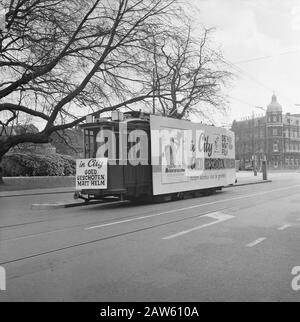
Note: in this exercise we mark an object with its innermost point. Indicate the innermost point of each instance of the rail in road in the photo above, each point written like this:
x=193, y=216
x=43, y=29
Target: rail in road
x=203, y=208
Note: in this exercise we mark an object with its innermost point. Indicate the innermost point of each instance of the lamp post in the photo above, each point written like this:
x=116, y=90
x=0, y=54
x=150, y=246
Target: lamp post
x=154, y=89
x=253, y=142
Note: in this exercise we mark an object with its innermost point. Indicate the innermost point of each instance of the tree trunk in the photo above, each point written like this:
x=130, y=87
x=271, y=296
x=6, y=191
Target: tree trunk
x=3, y=150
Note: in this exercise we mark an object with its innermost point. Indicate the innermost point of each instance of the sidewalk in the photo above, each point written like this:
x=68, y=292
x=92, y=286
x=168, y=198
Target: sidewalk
x=22, y=186
x=35, y=192
x=248, y=178
x=14, y=190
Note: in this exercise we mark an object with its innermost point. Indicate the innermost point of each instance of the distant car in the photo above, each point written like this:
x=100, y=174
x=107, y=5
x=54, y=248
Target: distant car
x=249, y=167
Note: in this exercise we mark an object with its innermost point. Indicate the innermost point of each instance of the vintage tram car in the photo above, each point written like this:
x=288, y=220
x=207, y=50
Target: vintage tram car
x=139, y=163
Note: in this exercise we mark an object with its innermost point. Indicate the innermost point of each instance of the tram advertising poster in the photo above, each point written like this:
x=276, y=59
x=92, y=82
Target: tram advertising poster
x=190, y=156
x=91, y=173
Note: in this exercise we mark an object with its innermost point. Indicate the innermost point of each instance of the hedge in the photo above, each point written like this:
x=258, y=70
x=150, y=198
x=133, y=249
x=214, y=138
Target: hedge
x=27, y=165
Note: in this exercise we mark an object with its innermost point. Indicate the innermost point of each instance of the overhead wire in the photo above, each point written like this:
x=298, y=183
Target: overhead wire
x=248, y=75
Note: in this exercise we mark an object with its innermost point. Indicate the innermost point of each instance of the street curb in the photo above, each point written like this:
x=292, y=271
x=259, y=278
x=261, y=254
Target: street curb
x=247, y=183
x=75, y=204
x=48, y=206
x=23, y=193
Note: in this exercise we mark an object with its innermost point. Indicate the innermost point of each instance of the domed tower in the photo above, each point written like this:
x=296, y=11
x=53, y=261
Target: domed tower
x=274, y=135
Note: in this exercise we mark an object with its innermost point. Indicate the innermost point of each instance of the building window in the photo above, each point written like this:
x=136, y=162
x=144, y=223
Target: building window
x=275, y=132
x=287, y=161
x=275, y=147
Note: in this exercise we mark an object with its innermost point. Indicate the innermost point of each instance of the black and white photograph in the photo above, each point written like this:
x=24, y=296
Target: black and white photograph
x=149, y=153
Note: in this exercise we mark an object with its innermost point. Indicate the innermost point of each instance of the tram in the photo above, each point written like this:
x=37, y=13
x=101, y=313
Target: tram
x=138, y=156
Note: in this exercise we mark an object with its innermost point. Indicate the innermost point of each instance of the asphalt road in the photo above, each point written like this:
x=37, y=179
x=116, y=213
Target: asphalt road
x=240, y=244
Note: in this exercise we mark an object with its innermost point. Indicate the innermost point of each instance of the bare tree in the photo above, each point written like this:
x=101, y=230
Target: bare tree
x=63, y=59
x=190, y=72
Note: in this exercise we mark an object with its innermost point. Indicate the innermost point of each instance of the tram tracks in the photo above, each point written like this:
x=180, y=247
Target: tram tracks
x=83, y=227
x=103, y=206
x=53, y=217
x=55, y=214
x=113, y=236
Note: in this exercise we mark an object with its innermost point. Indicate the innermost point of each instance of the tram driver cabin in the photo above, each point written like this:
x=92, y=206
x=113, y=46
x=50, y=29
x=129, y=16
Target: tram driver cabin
x=142, y=156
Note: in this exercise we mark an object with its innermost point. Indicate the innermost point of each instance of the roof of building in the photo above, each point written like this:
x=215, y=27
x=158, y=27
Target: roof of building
x=290, y=119
x=274, y=106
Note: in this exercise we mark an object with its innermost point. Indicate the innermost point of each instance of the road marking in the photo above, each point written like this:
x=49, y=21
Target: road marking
x=35, y=235
x=284, y=227
x=221, y=217
x=256, y=242
x=188, y=208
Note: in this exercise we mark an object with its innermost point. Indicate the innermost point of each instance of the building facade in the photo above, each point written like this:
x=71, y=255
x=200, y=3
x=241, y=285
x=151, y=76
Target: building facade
x=274, y=137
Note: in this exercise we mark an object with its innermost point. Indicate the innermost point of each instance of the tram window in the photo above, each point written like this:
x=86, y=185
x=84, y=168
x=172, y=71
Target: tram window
x=106, y=144
x=89, y=141
x=91, y=146
x=86, y=143
x=117, y=145
x=100, y=152
x=138, y=147
x=130, y=145
x=138, y=153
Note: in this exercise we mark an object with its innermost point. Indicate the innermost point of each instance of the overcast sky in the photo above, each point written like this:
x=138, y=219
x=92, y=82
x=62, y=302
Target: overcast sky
x=261, y=38
x=247, y=31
